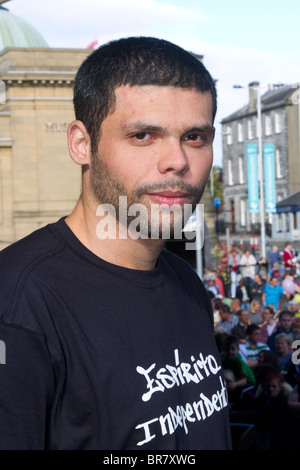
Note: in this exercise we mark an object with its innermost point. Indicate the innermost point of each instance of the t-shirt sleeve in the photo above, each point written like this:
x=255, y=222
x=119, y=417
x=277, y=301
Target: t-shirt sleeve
x=26, y=386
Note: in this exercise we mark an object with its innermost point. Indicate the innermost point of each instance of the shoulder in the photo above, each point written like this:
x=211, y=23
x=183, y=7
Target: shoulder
x=20, y=259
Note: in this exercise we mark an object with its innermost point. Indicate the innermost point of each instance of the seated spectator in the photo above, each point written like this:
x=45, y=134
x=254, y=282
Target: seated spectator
x=228, y=320
x=241, y=375
x=251, y=349
x=283, y=345
x=293, y=372
x=272, y=293
x=275, y=271
x=240, y=330
x=243, y=293
x=284, y=325
x=235, y=305
x=255, y=313
x=257, y=288
x=263, y=268
x=296, y=329
x=272, y=429
x=269, y=325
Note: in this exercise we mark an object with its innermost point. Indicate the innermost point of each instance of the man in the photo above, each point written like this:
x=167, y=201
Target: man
x=250, y=350
x=272, y=293
x=257, y=288
x=285, y=325
x=228, y=320
x=109, y=338
x=240, y=330
x=235, y=305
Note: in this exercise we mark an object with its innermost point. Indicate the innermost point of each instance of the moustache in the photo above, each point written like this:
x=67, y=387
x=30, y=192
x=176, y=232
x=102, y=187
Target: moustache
x=192, y=191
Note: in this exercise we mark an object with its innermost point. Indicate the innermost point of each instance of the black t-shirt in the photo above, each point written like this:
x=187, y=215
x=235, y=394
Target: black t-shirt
x=99, y=356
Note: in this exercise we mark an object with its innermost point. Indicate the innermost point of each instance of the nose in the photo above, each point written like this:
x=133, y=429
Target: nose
x=172, y=158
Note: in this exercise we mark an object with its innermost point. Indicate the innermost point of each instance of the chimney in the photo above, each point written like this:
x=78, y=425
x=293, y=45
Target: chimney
x=253, y=95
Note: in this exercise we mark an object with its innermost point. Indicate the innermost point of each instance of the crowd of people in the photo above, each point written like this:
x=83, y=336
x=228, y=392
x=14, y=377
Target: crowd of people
x=257, y=330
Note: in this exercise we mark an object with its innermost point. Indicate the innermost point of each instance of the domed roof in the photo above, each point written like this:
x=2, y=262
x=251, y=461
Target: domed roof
x=16, y=32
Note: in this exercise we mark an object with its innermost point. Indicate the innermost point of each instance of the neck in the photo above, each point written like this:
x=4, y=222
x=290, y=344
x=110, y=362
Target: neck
x=119, y=249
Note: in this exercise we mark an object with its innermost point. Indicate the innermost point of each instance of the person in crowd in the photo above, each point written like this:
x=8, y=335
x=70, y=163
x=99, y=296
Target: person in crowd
x=234, y=260
x=275, y=271
x=283, y=344
x=262, y=268
x=275, y=255
x=211, y=286
x=255, y=313
x=248, y=267
x=219, y=283
x=228, y=320
x=269, y=324
x=235, y=305
x=240, y=330
x=257, y=288
x=243, y=293
x=242, y=376
x=284, y=325
x=216, y=305
x=250, y=350
x=296, y=329
x=272, y=293
x=288, y=257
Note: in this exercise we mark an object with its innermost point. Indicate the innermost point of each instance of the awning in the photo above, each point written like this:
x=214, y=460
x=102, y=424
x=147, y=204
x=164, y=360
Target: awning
x=289, y=204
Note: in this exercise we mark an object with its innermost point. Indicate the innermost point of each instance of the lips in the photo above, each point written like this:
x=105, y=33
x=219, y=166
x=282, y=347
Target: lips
x=169, y=197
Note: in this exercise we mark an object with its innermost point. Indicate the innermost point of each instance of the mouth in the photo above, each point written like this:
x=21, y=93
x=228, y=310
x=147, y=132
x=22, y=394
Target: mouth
x=169, y=197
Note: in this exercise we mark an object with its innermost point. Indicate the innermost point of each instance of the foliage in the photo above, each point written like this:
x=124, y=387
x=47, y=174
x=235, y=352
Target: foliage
x=219, y=252
x=218, y=183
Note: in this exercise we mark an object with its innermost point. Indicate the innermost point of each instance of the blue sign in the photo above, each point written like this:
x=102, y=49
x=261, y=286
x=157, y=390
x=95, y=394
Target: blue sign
x=217, y=202
x=269, y=171
x=251, y=150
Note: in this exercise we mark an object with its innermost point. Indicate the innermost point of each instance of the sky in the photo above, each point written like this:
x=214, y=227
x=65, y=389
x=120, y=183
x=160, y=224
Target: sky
x=240, y=41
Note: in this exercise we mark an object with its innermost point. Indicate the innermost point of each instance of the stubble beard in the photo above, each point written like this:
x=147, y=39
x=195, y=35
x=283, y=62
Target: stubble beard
x=107, y=190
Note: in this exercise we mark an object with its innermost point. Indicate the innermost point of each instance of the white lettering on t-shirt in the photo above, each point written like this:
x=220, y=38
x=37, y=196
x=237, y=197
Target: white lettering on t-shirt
x=183, y=373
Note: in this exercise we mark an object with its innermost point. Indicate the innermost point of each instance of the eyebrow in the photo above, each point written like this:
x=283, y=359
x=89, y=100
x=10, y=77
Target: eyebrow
x=144, y=126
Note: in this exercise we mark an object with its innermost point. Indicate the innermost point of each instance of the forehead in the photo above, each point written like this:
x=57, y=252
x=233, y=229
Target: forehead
x=132, y=102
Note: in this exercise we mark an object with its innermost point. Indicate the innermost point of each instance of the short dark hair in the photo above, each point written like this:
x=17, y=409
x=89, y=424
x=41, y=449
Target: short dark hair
x=225, y=308
x=134, y=61
x=251, y=328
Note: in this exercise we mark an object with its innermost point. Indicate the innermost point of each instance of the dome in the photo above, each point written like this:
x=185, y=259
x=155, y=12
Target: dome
x=16, y=32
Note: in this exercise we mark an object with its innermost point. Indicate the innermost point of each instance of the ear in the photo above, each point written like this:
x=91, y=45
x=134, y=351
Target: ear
x=79, y=143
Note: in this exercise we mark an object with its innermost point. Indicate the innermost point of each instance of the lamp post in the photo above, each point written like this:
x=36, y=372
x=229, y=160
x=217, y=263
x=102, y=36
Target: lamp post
x=260, y=167
x=261, y=170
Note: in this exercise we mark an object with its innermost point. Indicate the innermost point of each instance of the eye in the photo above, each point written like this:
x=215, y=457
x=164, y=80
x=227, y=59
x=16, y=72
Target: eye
x=194, y=138
x=142, y=136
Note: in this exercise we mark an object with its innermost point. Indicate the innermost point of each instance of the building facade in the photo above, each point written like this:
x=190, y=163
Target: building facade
x=279, y=126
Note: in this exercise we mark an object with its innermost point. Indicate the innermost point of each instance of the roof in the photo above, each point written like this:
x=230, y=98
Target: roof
x=16, y=32
x=272, y=98
x=289, y=204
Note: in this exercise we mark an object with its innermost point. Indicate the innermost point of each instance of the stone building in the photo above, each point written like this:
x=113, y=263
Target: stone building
x=280, y=126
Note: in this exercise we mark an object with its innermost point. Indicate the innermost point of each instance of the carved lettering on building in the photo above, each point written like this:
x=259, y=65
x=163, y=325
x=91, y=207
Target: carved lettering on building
x=56, y=126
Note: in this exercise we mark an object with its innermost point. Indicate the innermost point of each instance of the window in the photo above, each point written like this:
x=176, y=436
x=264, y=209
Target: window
x=230, y=175
x=241, y=170
x=278, y=164
x=243, y=213
x=268, y=124
x=229, y=135
x=277, y=119
x=240, y=132
x=250, y=125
